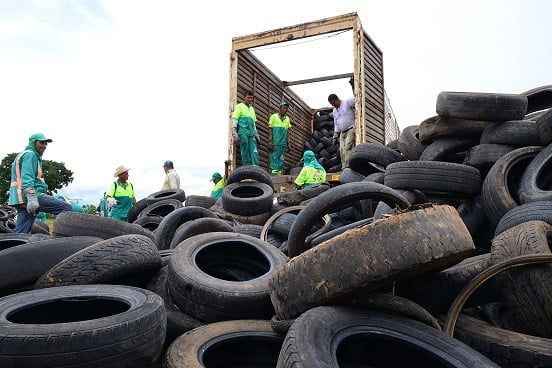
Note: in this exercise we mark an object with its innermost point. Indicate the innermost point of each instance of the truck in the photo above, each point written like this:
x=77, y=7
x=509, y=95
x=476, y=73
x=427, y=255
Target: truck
x=248, y=72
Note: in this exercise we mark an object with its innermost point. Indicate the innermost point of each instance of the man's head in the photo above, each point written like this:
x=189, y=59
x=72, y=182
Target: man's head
x=39, y=142
x=334, y=100
x=216, y=177
x=121, y=172
x=168, y=165
x=248, y=97
x=283, y=106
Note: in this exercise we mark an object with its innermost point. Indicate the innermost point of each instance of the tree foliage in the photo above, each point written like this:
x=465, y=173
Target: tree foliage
x=55, y=174
x=90, y=209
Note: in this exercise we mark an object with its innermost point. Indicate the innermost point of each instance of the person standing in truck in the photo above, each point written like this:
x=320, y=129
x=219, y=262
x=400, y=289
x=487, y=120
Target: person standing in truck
x=172, y=179
x=278, y=125
x=312, y=172
x=244, y=130
x=28, y=188
x=344, y=126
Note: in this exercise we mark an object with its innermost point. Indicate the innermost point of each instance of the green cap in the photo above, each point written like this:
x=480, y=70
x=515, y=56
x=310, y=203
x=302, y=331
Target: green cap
x=283, y=103
x=215, y=176
x=39, y=137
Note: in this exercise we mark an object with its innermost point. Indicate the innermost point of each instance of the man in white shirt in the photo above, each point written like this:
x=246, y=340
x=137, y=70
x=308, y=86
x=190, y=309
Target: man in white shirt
x=344, y=126
x=172, y=179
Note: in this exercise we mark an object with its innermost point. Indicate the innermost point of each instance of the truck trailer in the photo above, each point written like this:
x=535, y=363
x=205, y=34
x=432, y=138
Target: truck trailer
x=247, y=72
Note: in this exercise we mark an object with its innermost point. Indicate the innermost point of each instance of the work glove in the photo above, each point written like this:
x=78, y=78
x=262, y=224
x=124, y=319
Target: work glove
x=32, y=201
x=235, y=136
x=335, y=139
x=257, y=138
x=111, y=202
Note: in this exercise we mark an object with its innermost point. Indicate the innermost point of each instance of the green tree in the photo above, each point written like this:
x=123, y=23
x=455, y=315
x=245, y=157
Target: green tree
x=55, y=174
x=90, y=209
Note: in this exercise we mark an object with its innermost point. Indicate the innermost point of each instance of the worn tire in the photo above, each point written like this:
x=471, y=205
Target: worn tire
x=222, y=276
x=343, y=336
x=176, y=194
x=120, y=260
x=331, y=201
x=247, y=199
x=199, y=226
x=242, y=343
x=482, y=106
x=411, y=243
x=171, y=222
x=71, y=223
x=109, y=326
x=250, y=172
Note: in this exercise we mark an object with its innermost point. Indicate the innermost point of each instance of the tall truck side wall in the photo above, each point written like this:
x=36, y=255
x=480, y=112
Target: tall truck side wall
x=249, y=73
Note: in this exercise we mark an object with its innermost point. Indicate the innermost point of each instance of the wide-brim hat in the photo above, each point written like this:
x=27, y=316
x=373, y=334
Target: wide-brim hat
x=121, y=169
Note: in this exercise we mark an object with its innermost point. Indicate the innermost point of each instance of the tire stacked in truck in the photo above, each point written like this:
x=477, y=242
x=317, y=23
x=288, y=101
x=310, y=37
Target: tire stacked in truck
x=320, y=142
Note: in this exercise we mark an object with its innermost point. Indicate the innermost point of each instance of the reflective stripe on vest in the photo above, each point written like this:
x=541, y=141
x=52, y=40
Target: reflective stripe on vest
x=18, y=182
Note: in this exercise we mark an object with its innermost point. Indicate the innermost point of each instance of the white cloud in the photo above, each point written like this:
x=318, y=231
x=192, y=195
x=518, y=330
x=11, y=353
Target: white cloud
x=139, y=82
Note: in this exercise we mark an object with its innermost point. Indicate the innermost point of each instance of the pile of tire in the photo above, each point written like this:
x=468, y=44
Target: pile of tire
x=320, y=142
x=329, y=277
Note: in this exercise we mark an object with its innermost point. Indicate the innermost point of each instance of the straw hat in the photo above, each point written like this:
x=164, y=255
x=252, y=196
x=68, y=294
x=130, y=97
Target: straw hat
x=121, y=169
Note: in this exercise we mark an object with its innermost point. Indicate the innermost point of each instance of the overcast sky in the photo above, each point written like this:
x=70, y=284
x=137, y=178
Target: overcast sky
x=131, y=82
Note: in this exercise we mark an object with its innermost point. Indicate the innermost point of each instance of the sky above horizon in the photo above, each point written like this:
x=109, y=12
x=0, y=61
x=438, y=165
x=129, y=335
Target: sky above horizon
x=136, y=82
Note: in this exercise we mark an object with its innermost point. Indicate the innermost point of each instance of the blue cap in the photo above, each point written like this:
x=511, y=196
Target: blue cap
x=168, y=163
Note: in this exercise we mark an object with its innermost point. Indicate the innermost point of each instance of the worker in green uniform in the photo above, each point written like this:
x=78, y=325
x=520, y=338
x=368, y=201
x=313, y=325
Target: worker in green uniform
x=219, y=185
x=244, y=130
x=279, y=123
x=312, y=172
x=120, y=195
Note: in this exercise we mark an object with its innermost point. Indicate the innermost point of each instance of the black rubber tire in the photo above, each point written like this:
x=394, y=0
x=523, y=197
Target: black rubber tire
x=150, y=222
x=434, y=177
x=518, y=133
x=8, y=240
x=121, y=260
x=500, y=187
x=247, y=199
x=409, y=143
x=71, y=223
x=199, y=201
x=364, y=156
x=505, y=348
x=527, y=291
x=82, y=326
x=250, y=172
x=536, y=179
x=161, y=207
x=203, y=281
x=199, y=226
x=40, y=227
x=249, y=229
x=344, y=336
x=483, y=156
x=176, y=194
x=445, y=148
x=436, y=291
x=482, y=106
x=244, y=343
x=22, y=265
x=538, y=98
x=178, y=322
x=411, y=243
x=294, y=197
x=349, y=175
x=136, y=209
x=169, y=224
x=540, y=210
x=544, y=127
x=437, y=127
x=332, y=200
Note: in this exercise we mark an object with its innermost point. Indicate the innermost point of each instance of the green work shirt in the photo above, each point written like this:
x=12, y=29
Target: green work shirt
x=217, y=190
x=124, y=194
x=280, y=128
x=245, y=115
x=310, y=176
